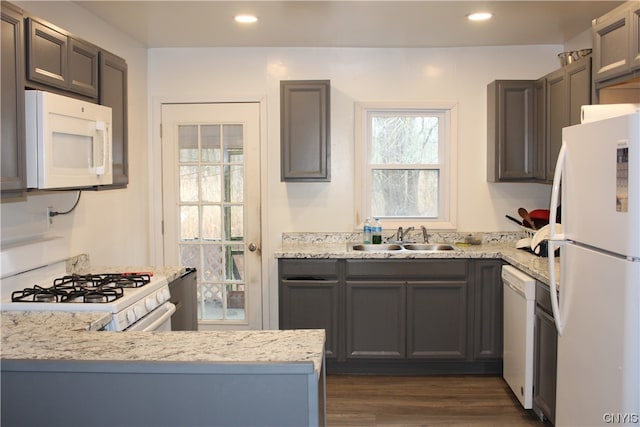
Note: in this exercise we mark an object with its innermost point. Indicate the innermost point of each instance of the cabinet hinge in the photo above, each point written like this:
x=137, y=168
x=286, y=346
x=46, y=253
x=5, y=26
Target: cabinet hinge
x=162, y=227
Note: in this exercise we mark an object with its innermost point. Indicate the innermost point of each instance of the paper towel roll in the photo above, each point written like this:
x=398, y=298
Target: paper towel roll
x=591, y=113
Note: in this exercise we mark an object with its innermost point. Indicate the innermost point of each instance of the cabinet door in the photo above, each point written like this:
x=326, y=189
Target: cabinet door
x=437, y=320
x=183, y=292
x=113, y=93
x=611, y=49
x=540, y=130
x=635, y=36
x=312, y=304
x=13, y=149
x=578, y=88
x=304, y=130
x=375, y=320
x=556, y=118
x=487, y=287
x=510, y=136
x=46, y=55
x=83, y=68
x=544, y=361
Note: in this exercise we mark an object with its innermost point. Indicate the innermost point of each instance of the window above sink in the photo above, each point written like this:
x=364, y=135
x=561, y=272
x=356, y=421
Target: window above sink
x=405, y=164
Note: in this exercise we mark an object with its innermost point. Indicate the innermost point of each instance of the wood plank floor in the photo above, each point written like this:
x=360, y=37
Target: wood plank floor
x=368, y=400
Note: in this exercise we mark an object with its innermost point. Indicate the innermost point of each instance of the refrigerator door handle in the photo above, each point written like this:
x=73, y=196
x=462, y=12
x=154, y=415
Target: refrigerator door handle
x=555, y=239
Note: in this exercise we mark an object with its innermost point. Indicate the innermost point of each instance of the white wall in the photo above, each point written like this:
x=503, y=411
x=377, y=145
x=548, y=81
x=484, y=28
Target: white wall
x=112, y=226
x=457, y=74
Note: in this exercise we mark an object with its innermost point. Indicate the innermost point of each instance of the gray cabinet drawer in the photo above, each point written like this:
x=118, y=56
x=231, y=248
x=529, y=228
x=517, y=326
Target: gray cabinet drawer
x=407, y=270
x=305, y=269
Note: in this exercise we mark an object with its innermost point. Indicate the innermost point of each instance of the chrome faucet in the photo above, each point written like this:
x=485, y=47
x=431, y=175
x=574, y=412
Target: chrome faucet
x=400, y=234
x=425, y=235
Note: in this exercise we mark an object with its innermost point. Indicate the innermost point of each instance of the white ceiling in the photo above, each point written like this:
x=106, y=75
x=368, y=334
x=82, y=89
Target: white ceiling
x=348, y=23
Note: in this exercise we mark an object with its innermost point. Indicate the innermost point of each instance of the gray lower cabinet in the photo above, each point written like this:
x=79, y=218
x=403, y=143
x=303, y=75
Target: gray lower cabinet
x=487, y=313
x=152, y=394
x=13, y=172
x=183, y=292
x=437, y=319
x=545, y=356
x=310, y=298
x=375, y=319
x=402, y=315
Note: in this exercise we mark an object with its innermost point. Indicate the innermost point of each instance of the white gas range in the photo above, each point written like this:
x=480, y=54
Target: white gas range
x=137, y=301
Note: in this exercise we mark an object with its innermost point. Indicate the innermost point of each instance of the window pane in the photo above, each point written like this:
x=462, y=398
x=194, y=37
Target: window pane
x=188, y=143
x=235, y=302
x=398, y=139
x=211, y=184
x=210, y=143
x=211, y=223
x=189, y=223
x=235, y=262
x=234, y=184
x=190, y=256
x=188, y=183
x=405, y=193
x=234, y=222
x=210, y=301
x=213, y=267
x=232, y=139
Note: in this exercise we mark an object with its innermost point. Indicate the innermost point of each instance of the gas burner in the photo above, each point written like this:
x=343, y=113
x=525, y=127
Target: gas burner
x=39, y=294
x=102, y=295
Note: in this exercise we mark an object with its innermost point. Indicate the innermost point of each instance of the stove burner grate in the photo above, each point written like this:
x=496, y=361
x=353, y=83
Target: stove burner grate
x=88, y=288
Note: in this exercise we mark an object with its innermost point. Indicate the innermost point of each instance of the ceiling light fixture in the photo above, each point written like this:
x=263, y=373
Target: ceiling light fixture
x=479, y=16
x=245, y=19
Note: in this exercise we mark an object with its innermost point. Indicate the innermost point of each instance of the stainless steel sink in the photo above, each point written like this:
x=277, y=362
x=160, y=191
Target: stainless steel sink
x=429, y=247
x=382, y=247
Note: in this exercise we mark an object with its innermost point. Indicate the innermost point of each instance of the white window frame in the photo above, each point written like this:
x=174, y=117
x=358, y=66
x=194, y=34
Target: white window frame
x=448, y=165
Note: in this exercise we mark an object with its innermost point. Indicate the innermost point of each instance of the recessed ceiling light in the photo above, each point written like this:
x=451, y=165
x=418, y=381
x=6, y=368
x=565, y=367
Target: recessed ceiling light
x=479, y=16
x=245, y=19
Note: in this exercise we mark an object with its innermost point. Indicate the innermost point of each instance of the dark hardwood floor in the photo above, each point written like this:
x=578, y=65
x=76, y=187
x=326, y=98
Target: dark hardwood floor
x=368, y=400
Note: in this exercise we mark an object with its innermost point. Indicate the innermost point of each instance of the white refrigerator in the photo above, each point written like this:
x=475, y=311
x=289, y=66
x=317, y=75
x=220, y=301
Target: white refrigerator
x=597, y=314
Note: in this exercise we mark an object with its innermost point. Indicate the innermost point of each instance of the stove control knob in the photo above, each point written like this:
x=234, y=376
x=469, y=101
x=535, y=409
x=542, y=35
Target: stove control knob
x=160, y=297
x=150, y=303
x=131, y=316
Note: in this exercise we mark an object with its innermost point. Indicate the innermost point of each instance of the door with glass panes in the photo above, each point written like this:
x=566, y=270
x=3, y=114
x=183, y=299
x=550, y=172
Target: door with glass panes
x=211, y=206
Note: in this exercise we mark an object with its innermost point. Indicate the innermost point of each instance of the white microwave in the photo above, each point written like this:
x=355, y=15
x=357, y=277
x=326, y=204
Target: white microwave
x=68, y=142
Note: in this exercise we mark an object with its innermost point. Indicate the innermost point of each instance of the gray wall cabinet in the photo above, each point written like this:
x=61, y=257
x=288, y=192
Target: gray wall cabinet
x=616, y=44
x=510, y=137
x=616, y=54
x=58, y=60
x=405, y=315
x=305, y=130
x=525, y=120
x=13, y=169
x=113, y=93
x=545, y=356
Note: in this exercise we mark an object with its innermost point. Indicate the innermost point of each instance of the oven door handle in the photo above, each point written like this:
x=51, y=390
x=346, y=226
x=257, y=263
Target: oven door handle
x=167, y=309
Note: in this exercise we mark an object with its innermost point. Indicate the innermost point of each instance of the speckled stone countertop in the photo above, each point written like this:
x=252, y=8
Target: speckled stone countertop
x=494, y=245
x=75, y=336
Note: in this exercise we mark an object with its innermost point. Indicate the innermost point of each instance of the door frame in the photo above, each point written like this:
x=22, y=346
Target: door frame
x=155, y=242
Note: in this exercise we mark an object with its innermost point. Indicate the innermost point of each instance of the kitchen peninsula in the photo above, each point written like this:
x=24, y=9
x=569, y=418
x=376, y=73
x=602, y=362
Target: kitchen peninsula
x=215, y=378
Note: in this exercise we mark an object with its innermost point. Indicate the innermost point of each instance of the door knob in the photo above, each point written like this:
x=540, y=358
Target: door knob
x=253, y=247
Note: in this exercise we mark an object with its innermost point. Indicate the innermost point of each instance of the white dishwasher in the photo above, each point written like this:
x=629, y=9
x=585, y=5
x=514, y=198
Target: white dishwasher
x=518, y=321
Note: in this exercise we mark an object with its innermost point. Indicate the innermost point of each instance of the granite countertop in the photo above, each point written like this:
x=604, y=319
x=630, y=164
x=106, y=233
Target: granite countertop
x=75, y=336
x=535, y=266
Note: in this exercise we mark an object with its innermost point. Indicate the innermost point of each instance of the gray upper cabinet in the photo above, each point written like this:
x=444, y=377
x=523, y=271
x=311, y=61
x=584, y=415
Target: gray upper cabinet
x=616, y=50
x=305, y=130
x=58, y=60
x=13, y=155
x=510, y=130
x=113, y=93
x=525, y=120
